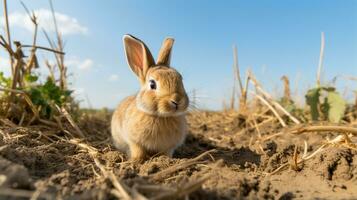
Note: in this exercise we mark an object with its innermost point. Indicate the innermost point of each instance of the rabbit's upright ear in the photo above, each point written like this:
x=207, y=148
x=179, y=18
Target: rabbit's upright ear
x=138, y=56
x=165, y=52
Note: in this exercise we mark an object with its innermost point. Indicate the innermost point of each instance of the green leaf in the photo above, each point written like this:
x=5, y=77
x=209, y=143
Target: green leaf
x=67, y=93
x=325, y=107
x=6, y=82
x=336, y=106
x=31, y=78
x=312, y=99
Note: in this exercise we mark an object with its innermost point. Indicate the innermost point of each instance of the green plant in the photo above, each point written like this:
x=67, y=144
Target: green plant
x=47, y=95
x=44, y=96
x=23, y=96
x=332, y=106
x=292, y=108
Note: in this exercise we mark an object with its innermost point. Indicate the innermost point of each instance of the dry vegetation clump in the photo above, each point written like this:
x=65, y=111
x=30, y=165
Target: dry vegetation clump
x=268, y=148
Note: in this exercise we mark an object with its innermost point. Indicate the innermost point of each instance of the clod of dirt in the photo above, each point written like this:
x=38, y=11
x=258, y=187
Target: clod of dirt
x=279, y=158
x=13, y=175
x=335, y=164
x=270, y=147
x=243, y=157
x=265, y=190
x=287, y=196
x=39, y=160
x=230, y=184
x=154, y=165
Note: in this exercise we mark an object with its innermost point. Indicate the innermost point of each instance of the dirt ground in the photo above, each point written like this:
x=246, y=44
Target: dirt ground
x=224, y=157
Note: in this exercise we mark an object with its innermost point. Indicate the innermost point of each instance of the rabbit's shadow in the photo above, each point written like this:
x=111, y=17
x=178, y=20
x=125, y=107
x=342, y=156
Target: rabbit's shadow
x=197, y=144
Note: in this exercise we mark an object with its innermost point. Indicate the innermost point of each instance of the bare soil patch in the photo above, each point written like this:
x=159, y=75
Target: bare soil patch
x=221, y=159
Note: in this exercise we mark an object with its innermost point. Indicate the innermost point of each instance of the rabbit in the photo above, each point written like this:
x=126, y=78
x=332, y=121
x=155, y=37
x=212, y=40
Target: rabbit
x=153, y=121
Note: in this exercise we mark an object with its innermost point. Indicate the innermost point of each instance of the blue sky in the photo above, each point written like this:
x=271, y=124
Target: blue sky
x=274, y=38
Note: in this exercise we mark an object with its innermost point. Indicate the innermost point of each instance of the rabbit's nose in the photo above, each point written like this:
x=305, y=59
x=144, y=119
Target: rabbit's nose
x=175, y=104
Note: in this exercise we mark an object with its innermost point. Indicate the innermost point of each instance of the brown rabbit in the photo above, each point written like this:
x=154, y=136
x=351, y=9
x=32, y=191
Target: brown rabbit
x=152, y=121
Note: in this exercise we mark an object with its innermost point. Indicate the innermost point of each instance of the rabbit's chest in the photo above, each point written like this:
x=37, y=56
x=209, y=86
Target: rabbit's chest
x=158, y=134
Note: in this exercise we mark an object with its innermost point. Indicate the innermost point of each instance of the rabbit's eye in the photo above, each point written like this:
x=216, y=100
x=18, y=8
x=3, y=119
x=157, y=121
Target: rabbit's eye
x=152, y=84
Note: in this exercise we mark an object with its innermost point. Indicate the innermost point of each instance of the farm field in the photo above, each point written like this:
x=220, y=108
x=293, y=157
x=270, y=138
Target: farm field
x=290, y=143
x=222, y=158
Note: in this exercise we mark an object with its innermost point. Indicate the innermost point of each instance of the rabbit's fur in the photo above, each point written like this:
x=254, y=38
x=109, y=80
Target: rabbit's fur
x=152, y=121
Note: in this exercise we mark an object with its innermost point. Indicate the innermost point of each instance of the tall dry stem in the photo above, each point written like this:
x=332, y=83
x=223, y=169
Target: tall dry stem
x=287, y=94
x=236, y=68
x=242, y=95
x=33, y=62
x=59, y=47
x=322, y=49
x=7, y=27
x=233, y=94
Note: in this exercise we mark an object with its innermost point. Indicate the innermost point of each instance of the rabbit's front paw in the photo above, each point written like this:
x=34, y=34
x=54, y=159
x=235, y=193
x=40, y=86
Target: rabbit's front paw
x=137, y=153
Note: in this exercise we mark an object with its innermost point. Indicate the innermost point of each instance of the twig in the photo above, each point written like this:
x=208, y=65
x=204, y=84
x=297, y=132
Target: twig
x=44, y=48
x=22, y=118
x=294, y=165
x=314, y=128
x=7, y=47
x=271, y=108
x=341, y=129
x=11, y=90
x=174, y=168
x=245, y=91
x=108, y=174
x=305, y=149
x=17, y=70
x=33, y=59
x=70, y=120
x=270, y=98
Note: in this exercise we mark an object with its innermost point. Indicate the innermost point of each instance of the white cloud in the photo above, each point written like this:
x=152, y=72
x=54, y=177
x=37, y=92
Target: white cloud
x=85, y=64
x=5, y=66
x=66, y=24
x=113, y=77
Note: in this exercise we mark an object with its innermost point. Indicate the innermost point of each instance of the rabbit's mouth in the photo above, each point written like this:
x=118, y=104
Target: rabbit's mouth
x=171, y=107
x=165, y=109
